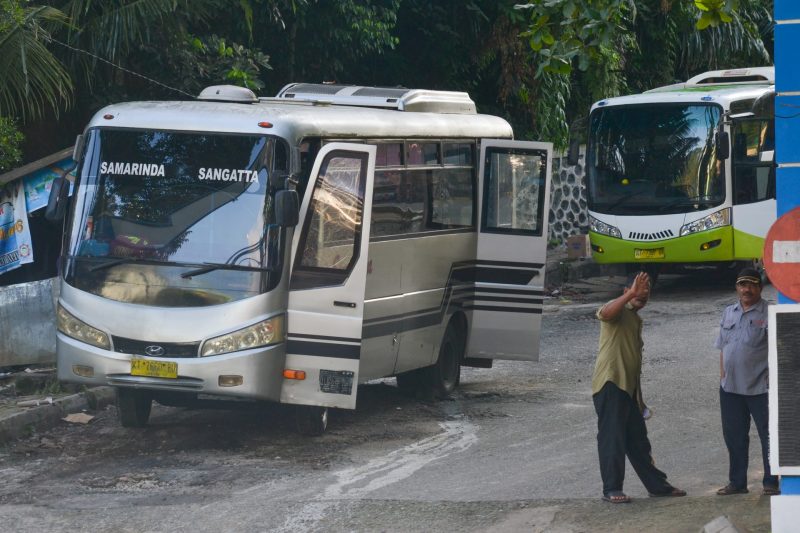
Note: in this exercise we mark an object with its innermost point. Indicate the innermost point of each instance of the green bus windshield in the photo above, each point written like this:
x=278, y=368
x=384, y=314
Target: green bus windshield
x=651, y=159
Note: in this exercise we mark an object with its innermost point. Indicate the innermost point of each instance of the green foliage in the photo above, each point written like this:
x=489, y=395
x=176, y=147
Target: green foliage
x=715, y=12
x=10, y=140
x=539, y=65
x=33, y=80
x=325, y=39
x=214, y=60
x=574, y=32
x=605, y=48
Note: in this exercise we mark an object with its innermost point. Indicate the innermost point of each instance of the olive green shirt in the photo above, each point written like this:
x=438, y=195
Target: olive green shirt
x=620, y=354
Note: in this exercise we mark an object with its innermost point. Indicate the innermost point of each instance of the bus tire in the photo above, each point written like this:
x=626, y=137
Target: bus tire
x=133, y=407
x=310, y=420
x=445, y=375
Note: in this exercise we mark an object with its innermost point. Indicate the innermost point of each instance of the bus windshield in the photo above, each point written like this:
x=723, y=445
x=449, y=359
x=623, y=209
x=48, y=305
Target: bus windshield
x=175, y=219
x=652, y=159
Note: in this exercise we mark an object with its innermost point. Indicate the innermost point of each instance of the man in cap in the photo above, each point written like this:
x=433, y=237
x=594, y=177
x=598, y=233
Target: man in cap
x=743, y=373
x=621, y=430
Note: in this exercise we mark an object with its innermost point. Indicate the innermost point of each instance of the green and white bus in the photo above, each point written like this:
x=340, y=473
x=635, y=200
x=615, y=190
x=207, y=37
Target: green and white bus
x=684, y=176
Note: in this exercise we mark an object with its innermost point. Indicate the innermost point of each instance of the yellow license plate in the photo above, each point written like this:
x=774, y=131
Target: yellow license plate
x=654, y=253
x=154, y=369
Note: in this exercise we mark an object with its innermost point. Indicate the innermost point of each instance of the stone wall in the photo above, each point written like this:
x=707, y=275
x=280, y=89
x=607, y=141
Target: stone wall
x=568, y=208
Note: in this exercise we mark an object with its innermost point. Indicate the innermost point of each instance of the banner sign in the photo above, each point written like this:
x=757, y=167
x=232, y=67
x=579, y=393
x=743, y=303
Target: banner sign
x=15, y=235
x=37, y=184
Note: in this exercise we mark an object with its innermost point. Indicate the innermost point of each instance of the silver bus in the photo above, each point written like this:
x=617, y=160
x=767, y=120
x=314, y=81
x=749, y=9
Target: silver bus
x=289, y=248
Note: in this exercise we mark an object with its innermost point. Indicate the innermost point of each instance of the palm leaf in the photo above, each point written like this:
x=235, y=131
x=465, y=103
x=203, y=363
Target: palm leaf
x=33, y=80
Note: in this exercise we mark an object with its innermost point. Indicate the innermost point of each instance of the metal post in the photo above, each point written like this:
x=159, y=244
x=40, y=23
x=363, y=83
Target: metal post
x=785, y=508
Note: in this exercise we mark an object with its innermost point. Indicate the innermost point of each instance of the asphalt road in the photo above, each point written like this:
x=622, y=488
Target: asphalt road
x=514, y=450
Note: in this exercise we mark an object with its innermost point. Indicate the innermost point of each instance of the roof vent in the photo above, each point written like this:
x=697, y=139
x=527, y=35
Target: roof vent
x=228, y=93
x=401, y=99
x=740, y=75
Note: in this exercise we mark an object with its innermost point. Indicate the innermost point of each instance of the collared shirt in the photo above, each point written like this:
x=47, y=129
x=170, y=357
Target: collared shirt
x=743, y=341
x=619, y=359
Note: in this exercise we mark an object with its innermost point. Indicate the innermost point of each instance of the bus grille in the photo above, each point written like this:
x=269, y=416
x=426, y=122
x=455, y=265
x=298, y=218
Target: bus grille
x=636, y=236
x=169, y=349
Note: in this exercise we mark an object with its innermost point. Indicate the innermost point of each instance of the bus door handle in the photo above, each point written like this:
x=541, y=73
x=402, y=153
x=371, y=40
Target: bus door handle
x=338, y=303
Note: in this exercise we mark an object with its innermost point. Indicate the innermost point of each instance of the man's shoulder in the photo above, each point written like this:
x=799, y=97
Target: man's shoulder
x=732, y=308
x=600, y=310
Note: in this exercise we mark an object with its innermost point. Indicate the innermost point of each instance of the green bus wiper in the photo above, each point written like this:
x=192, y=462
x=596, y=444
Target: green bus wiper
x=688, y=201
x=210, y=267
x=624, y=199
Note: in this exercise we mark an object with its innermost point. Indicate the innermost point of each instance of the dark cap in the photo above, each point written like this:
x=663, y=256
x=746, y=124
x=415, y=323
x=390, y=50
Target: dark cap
x=749, y=275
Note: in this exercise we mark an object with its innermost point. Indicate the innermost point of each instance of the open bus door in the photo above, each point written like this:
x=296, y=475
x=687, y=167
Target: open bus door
x=512, y=246
x=328, y=278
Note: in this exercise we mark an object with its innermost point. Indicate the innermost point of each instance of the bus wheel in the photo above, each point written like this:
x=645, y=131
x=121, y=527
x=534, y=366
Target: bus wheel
x=445, y=375
x=133, y=407
x=310, y=420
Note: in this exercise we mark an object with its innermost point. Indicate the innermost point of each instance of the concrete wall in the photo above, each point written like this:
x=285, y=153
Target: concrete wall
x=27, y=323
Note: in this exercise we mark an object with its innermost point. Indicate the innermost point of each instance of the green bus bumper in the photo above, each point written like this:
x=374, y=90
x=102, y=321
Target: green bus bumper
x=714, y=245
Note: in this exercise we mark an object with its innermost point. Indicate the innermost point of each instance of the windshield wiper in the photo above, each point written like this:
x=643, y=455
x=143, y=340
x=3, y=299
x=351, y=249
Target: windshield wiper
x=112, y=261
x=700, y=200
x=210, y=267
x=624, y=199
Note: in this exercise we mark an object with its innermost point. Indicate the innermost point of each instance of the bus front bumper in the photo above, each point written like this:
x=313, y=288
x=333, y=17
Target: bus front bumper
x=261, y=371
x=713, y=245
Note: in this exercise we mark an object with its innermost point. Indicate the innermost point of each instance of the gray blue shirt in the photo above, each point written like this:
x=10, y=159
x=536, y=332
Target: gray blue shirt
x=743, y=342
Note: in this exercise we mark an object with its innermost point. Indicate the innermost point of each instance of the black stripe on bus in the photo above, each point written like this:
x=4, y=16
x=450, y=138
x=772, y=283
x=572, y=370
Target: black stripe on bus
x=323, y=349
x=518, y=292
x=533, y=310
x=466, y=274
x=402, y=325
x=506, y=276
x=321, y=337
x=403, y=315
x=507, y=300
x=514, y=264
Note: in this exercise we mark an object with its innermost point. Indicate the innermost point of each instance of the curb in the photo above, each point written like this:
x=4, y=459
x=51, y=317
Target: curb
x=24, y=423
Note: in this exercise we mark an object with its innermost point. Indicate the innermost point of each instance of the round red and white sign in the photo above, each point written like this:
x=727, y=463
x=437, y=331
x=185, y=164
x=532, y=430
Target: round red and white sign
x=782, y=254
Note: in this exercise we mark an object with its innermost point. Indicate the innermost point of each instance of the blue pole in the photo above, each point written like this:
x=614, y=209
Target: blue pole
x=787, y=133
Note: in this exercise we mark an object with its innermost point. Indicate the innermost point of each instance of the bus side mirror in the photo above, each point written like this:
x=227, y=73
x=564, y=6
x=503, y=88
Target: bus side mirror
x=77, y=150
x=723, y=145
x=573, y=152
x=287, y=208
x=57, y=202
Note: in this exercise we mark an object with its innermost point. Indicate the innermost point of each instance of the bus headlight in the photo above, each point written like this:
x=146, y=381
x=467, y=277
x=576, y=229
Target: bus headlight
x=264, y=333
x=714, y=220
x=79, y=330
x=603, y=228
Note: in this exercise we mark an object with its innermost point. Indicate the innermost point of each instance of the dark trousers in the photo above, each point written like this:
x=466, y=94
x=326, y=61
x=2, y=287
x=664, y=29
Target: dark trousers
x=621, y=431
x=736, y=410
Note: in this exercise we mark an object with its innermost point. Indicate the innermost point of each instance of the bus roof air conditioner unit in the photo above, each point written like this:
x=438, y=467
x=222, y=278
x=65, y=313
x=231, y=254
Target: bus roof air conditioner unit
x=739, y=75
x=401, y=99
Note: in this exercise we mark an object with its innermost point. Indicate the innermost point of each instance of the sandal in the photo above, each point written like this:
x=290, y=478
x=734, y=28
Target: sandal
x=729, y=489
x=771, y=491
x=672, y=492
x=616, y=496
